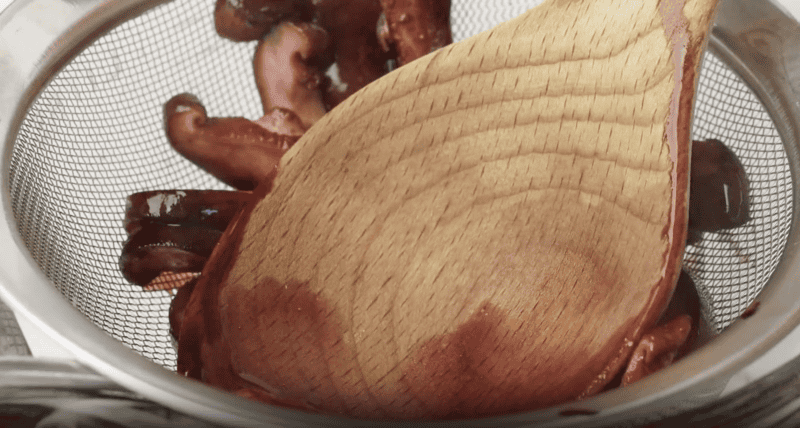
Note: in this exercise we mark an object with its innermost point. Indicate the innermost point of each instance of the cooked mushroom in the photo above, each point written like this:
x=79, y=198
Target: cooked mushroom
x=246, y=20
x=416, y=27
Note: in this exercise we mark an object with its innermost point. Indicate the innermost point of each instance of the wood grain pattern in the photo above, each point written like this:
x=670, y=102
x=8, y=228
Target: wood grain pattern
x=485, y=230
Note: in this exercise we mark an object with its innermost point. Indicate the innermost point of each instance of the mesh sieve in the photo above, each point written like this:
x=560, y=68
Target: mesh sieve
x=94, y=135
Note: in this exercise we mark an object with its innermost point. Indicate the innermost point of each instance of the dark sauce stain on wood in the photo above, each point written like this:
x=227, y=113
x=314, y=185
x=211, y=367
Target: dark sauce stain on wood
x=289, y=346
x=477, y=370
x=449, y=373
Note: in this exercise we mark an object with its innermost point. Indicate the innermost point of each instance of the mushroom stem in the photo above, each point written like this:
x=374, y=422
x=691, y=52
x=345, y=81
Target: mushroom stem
x=285, y=74
x=247, y=20
x=236, y=150
x=417, y=27
x=357, y=52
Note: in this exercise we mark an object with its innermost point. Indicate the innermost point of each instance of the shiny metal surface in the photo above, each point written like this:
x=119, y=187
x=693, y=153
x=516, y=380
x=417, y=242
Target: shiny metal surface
x=43, y=393
x=755, y=49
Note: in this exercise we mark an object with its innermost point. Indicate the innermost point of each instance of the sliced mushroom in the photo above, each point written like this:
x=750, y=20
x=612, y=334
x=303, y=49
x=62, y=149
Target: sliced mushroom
x=416, y=27
x=246, y=20
x=286, y=74
x=236, y=150
x=166, y=248
x=357, y=52
x=171, y=233
x=212, y=209
x=719, y=197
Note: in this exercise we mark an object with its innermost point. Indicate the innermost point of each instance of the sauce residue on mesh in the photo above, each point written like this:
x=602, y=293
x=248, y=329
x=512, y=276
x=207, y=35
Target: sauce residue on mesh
x=751, y=310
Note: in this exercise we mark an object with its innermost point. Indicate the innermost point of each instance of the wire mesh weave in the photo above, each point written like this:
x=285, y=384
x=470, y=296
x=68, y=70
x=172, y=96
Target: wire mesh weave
x=95, y=135
x=731, y=267
x=12, y=342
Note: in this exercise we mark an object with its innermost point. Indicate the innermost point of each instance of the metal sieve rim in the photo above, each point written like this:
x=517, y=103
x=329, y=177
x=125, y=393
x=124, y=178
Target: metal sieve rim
x=57, y=37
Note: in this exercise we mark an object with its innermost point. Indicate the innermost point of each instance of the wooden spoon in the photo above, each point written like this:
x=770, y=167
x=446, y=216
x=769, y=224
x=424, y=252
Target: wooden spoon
x=488, y=229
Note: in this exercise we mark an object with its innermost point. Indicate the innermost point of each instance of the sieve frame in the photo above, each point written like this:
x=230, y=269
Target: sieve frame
x=742, y=31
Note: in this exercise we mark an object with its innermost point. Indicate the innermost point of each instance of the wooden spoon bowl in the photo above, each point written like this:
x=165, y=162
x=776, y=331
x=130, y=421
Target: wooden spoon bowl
x=488, y=229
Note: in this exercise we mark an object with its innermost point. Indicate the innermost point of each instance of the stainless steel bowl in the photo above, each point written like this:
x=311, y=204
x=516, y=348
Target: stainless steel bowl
x=80, y=120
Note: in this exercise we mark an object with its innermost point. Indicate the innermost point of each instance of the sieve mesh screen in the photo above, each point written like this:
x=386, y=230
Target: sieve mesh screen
x=95, y=135
x=731, y=267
